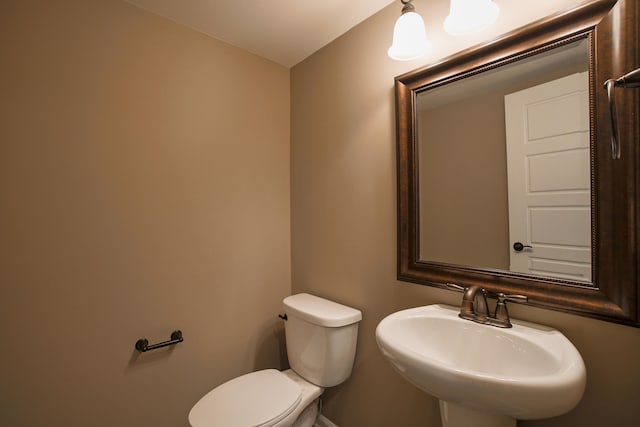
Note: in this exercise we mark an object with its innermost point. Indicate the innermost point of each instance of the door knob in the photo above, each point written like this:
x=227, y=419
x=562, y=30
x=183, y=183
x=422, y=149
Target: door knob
x=518, y=246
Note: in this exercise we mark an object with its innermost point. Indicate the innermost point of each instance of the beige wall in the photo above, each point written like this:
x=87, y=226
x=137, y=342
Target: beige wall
x=144, y=176
x=464, y=211
x=144, y=184
x=344, y=225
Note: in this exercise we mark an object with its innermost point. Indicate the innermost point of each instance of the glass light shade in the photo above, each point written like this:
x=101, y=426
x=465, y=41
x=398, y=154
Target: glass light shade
x=409, y=38
x=470, y=16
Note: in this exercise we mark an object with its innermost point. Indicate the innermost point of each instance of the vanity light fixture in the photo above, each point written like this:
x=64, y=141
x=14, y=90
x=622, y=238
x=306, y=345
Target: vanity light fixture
x=409, y=37
x=470, y=16
x=465, y=17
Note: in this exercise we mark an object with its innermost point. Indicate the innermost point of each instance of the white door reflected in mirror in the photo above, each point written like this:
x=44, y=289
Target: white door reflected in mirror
x=549, y=178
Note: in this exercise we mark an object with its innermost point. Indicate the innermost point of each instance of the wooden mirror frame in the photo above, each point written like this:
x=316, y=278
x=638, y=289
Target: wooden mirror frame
x=611, y=28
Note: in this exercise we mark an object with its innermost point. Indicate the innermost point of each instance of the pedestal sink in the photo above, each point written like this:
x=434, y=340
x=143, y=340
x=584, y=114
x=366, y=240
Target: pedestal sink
x=484, y=376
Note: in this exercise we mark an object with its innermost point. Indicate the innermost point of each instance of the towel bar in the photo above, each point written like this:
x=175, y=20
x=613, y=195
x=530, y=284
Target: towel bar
x=142, y=344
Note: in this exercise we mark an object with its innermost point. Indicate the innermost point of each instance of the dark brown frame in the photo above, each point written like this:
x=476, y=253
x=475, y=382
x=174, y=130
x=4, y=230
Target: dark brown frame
x=612, y=30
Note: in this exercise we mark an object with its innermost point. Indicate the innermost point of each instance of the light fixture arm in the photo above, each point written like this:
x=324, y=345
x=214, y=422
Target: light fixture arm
x=407, y=6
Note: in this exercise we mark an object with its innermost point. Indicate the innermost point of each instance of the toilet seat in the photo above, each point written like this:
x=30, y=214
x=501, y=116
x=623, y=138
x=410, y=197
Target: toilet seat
x=257, y=399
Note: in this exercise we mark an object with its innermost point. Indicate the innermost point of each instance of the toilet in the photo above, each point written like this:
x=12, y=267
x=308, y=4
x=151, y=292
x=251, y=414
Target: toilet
x=321, y=345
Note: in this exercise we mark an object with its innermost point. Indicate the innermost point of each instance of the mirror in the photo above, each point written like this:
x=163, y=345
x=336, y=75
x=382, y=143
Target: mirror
x=475, y=167
x=505, y=177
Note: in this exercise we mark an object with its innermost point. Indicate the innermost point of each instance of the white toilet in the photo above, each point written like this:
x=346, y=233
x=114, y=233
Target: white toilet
x=321, y=345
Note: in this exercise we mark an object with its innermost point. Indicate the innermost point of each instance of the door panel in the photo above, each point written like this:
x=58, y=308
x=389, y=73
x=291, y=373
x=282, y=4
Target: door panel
x=548, y=164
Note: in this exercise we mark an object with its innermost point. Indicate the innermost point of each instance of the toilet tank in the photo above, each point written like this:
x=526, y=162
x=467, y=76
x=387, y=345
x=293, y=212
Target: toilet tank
x=321, y=338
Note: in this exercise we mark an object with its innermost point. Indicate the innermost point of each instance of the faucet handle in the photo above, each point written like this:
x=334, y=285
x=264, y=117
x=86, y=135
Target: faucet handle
x=455, y=287
x=514, y=298
x=501, y=315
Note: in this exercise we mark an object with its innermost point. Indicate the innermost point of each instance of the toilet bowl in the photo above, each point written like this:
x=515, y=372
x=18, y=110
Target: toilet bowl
x=267, y=398
x=321, y=341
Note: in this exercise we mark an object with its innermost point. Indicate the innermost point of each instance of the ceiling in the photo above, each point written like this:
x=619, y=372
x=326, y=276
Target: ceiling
x=284, y=31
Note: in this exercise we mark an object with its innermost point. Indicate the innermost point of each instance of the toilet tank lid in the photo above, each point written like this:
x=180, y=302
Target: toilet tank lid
x=320, y=311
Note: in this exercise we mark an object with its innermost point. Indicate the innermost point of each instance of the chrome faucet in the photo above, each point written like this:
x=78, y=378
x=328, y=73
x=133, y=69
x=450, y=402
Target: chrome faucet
x=474, y=306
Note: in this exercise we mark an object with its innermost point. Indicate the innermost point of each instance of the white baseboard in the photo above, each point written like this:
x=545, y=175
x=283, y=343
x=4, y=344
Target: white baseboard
x=323, y=421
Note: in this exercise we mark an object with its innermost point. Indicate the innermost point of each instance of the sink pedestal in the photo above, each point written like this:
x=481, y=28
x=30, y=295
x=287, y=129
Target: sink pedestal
x=454, y=415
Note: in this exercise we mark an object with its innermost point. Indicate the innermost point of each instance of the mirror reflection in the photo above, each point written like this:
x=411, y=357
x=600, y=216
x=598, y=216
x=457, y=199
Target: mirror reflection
x=505, y=167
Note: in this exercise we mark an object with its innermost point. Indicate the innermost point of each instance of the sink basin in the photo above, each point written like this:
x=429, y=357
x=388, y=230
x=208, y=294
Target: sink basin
x=525, y=372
